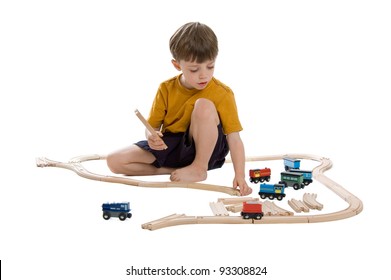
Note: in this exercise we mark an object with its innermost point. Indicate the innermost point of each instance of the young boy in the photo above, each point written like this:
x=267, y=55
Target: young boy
x=195, y=116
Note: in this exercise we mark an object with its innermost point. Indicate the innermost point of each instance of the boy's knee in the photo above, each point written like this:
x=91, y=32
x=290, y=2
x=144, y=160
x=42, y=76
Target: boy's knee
x=112, y=163
x=204, y=109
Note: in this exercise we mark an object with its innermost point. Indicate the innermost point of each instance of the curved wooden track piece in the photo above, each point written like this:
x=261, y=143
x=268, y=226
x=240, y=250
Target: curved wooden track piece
x=269, y=208
x=298, y=205
x=355, y=205
x=75, y=164
x=309, y=199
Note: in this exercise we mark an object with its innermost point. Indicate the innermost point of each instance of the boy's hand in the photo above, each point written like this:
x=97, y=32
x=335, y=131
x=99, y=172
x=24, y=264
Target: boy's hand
x=155, y=141
x=243, y=187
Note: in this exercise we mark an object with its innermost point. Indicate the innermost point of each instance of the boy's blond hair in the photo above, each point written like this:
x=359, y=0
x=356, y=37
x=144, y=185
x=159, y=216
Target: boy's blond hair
x=194, y=41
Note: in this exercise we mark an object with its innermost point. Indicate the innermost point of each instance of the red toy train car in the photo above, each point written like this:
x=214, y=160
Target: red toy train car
x=252, y=209
x=259, y=175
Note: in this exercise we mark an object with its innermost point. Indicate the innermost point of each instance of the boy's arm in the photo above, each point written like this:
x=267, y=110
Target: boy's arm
x=155, y=140
x=153, y=135
x=236, y=148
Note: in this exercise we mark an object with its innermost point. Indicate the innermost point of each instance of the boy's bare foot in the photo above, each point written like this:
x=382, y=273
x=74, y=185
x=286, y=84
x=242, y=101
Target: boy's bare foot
x=189, y=173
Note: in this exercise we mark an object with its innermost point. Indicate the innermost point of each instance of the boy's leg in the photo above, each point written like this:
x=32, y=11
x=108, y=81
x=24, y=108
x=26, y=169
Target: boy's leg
x=134, y=161
x=203, y=130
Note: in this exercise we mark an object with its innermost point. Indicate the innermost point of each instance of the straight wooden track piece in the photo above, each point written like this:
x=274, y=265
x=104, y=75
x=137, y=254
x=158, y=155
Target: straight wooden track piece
x=235, y=200
x=218, y=209
x=235, y=208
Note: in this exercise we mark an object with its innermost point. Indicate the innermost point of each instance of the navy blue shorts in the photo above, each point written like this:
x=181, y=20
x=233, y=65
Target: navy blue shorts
x=181, y=150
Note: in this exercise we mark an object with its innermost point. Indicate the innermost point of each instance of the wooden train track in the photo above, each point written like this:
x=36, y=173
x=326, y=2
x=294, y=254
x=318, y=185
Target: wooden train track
x=75, y=164
x=269, y=208
x=309, y=199
x=298, y=205
x=355, y=205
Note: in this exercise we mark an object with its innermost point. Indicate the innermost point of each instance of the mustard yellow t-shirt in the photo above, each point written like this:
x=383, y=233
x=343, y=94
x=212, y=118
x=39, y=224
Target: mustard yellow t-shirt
x=173, y=105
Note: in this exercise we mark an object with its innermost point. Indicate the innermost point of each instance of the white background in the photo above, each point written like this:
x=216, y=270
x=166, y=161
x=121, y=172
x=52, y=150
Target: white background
x=309, y=77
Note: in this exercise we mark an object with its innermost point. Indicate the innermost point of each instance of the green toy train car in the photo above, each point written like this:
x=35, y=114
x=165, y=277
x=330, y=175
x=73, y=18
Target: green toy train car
x=292, y=179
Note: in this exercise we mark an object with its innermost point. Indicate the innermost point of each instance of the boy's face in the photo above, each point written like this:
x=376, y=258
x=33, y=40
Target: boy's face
x=195, y=75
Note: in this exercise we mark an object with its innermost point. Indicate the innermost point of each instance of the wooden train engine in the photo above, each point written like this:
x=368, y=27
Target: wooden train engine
x=260, y=175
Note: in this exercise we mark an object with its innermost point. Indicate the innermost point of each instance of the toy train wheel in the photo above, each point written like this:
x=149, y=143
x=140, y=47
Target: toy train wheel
x=268, y=179
x=246, y=216
x=279, y=197
x=271, y=196
x=106, y=215
x=129, y=215
x=122, y=216
x=258, y=216
x=262, y=180
x=296, y=186
x=262, y=195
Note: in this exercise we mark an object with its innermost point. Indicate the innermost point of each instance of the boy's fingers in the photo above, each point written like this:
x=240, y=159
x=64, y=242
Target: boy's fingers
x=159, y=141
x=158, y=144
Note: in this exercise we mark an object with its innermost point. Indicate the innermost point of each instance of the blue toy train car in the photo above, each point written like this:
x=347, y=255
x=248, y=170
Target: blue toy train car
x=272, y=191
x=307, y=175
x=293, y=165
x=119, y=210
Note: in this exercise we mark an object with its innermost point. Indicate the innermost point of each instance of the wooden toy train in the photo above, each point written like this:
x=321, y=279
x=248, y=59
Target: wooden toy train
x=260, y=175
x=293, y=176
x=118, y=210
x=293, y=165
x=252, y=209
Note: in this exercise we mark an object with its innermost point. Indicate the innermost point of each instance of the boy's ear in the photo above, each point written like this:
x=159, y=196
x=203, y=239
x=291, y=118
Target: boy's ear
x=176, y=64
